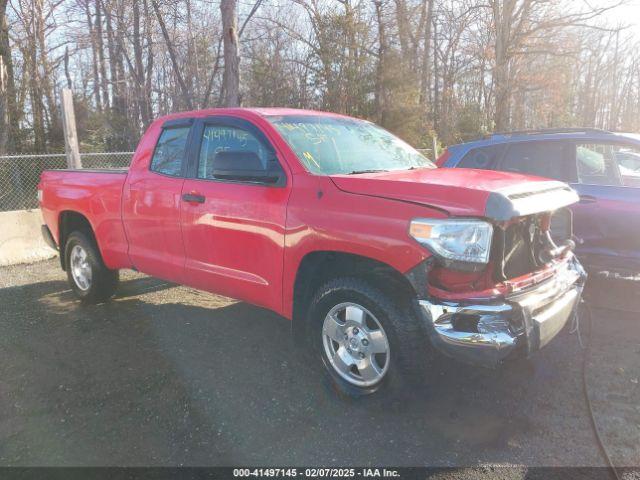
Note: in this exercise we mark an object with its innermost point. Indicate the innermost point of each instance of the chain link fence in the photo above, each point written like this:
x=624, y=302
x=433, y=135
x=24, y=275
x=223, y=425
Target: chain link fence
x=20, y=174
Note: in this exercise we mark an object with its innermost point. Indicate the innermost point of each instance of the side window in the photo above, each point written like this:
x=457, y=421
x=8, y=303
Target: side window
x=608, y=164
x=543, y=159
x=170, y=151
x=482, y=158
x=230, y=149
x=628, y=159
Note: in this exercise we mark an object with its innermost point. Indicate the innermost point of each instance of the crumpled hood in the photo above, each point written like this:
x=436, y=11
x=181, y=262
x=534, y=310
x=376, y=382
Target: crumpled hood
x=464, y=192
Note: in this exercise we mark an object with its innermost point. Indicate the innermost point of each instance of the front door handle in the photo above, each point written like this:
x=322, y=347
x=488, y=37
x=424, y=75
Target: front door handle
x=193, y=198
x=587, y=199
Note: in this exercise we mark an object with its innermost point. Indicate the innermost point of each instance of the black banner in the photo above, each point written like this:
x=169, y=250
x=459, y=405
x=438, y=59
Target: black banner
x=333, y=473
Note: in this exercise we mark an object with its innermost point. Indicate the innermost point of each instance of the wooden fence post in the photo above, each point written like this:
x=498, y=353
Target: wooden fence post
x=71, y=147
x=434, y=145
x=4, y=110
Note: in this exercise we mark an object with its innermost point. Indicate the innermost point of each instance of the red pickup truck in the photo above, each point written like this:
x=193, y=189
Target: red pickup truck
x=379, y=259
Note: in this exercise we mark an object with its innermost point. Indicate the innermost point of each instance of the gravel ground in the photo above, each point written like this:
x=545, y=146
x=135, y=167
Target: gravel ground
x=166, y=375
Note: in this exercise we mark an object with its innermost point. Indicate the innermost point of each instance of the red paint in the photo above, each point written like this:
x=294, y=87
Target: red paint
x=247, y=241
x=458, y=192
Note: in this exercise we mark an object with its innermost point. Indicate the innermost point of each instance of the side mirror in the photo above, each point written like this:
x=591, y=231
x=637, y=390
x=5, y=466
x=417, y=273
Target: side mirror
x=242, y=166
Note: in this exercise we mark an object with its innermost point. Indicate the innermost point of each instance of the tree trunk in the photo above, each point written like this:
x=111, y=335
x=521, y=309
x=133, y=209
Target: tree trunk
x=436, y=86
x=381, y=84
x=8, y=113
x=231, y=76
x=403, y=29
x=96, y=75
x=503, y=18
x=101, y=62
x=425, y=91
x=148, y=116
x=503, y=96
x=137, y=59
x=112, y=49
x=52, y=115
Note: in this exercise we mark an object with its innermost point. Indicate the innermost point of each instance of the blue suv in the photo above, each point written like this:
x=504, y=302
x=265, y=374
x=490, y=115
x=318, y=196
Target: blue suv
x=603, y=167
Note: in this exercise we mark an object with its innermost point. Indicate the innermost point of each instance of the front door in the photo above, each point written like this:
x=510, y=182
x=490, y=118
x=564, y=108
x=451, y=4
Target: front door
x=233, y=229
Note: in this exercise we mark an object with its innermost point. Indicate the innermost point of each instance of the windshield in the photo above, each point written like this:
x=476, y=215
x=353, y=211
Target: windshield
x=333, y=145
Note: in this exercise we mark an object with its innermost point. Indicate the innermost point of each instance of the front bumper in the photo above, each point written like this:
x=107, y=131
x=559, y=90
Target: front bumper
x=486, y=332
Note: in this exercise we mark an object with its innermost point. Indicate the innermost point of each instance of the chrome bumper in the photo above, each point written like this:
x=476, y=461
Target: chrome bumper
x=485, y=334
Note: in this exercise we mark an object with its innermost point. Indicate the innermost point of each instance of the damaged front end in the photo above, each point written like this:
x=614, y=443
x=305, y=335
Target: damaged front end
x=528, y=291
x=485, y=332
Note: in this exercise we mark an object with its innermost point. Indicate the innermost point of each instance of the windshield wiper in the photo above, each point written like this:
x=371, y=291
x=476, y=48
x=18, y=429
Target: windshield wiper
x=357, y=172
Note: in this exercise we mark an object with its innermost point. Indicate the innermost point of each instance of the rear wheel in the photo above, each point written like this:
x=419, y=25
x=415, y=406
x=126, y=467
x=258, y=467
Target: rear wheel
x=368, y=340
x=90, y=280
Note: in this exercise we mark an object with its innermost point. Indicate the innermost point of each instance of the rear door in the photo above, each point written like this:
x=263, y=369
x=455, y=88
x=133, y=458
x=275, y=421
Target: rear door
x=607, y=218
x=152, y=202
x=234, y=230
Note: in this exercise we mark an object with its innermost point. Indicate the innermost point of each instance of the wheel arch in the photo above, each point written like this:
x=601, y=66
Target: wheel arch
x=318, y=267
x=70, y=221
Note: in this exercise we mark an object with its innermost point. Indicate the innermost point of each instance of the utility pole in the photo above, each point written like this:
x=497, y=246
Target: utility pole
x=71, y=147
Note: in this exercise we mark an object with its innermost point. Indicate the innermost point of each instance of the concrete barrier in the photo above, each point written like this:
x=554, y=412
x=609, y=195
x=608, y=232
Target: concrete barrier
x=20, y=238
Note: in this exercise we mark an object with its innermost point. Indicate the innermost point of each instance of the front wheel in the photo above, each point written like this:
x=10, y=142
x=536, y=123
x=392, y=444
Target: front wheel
x=90, y=280
x=368, y=340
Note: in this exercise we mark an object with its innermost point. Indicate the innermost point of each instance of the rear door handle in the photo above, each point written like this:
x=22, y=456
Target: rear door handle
x=587, y=199
x=193, y=198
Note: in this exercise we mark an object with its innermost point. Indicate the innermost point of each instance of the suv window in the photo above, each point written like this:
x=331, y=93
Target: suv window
x=170, y=151
x=603, y=164
x=544, y=159
x=230, y=148
x=482, y=157
x=628, y=159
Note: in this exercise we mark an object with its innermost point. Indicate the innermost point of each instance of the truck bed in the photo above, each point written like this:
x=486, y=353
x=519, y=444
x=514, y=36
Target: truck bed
x=96, y=194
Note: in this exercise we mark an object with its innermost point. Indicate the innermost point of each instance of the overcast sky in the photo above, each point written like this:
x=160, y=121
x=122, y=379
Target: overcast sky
x=628, y=14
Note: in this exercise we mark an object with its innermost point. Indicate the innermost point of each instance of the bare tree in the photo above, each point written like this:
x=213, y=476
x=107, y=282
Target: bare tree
x=7, y=86
x=186, y=94
x=457, y=68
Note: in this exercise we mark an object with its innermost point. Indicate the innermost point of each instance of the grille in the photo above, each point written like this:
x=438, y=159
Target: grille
x=515, y=248
x=523, y=246
x=518, y=252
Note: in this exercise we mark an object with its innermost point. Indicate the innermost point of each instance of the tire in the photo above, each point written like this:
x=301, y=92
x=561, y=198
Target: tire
x=409, y=361
x=91, y=281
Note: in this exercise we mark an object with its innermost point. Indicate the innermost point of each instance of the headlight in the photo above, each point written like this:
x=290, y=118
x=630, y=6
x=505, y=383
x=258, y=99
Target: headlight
x=453, y=239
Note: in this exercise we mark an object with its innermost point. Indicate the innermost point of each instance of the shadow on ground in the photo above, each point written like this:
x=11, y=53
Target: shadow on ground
x=164, y=375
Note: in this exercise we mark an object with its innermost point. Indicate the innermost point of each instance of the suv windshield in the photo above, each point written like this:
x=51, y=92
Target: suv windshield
x=335, y=145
